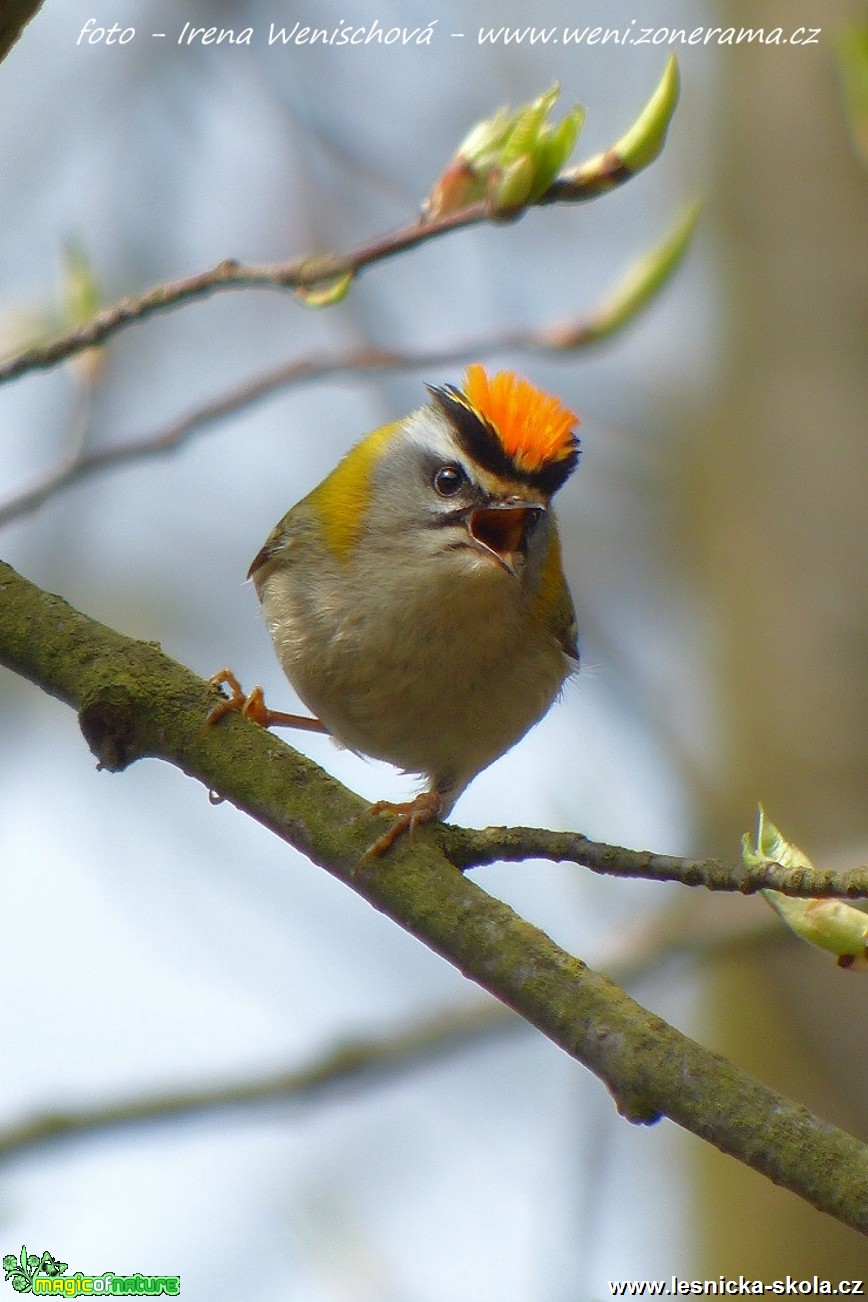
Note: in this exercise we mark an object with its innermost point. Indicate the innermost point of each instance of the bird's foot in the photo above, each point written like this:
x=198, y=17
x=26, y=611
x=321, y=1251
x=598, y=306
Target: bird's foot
x=426, y=808
x=252, y=706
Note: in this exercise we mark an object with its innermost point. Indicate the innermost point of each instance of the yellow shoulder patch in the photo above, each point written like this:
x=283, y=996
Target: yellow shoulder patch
x=342, y=498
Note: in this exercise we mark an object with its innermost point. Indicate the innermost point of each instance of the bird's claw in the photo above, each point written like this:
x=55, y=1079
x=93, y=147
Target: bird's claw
x=426, y=808
x=252, y=706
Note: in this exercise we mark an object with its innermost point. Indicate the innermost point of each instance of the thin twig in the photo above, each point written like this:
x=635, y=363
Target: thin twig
x=617, y=310
x=326, y=277
x=467, y=848
x=355, y=1062
x=368, y=359
x=299, y=275
x=370, y=1060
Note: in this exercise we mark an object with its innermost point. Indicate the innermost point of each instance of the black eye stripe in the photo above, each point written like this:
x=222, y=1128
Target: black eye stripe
x=475, y=437
x=483, y=446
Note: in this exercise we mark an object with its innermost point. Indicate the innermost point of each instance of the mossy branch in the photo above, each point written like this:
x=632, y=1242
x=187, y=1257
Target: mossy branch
x=467, y=848
x=14, y=17
x=134, y=702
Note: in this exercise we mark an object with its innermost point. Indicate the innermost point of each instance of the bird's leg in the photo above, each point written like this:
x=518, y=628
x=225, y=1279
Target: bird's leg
x=426, y=808
x=252, y=706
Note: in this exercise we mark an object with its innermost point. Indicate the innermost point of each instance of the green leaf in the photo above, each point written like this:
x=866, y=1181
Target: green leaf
x=81, y=292
x=642, y=143
x=831, y=925
x=639, y=284
x=771, y=846
x=526, y=127
x=497, y=151
x=326, y=292
x=509, y=189
x=483, y=140
x=554, y=148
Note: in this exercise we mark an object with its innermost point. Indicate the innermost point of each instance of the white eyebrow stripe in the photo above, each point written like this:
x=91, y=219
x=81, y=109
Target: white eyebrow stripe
x=430, y=431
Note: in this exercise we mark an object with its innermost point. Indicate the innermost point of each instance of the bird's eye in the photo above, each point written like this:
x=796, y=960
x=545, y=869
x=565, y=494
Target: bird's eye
x=448, y=479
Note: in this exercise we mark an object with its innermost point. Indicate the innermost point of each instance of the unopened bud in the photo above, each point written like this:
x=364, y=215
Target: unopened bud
x=832, y=925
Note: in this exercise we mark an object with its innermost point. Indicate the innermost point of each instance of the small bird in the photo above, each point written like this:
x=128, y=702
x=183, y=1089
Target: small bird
x=416, y=597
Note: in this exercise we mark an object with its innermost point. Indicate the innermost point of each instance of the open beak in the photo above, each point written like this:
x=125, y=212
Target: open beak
x=503, y=529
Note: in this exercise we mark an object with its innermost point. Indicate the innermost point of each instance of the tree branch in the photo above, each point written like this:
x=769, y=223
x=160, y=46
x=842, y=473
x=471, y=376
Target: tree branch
x=326, y=277
x=305, y=273
x=300, y=274
x=134, y=702
x=642, y=281
x=363, y=1061
x=14, y=17
x=368, y=359
x=468, y=848
x=368, y=1061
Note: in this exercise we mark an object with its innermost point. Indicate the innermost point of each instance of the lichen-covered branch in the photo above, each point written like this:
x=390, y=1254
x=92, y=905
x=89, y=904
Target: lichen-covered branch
x=134, y=702
x=467, y=848
x=14, y=17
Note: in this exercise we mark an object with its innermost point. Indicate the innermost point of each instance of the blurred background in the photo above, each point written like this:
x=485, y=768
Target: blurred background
x=715, y=540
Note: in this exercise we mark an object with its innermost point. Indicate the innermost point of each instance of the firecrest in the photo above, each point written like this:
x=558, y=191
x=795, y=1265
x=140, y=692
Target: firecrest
x=416, y=597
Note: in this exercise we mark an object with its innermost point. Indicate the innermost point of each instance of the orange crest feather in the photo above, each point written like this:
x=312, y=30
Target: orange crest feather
x=534, y=428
